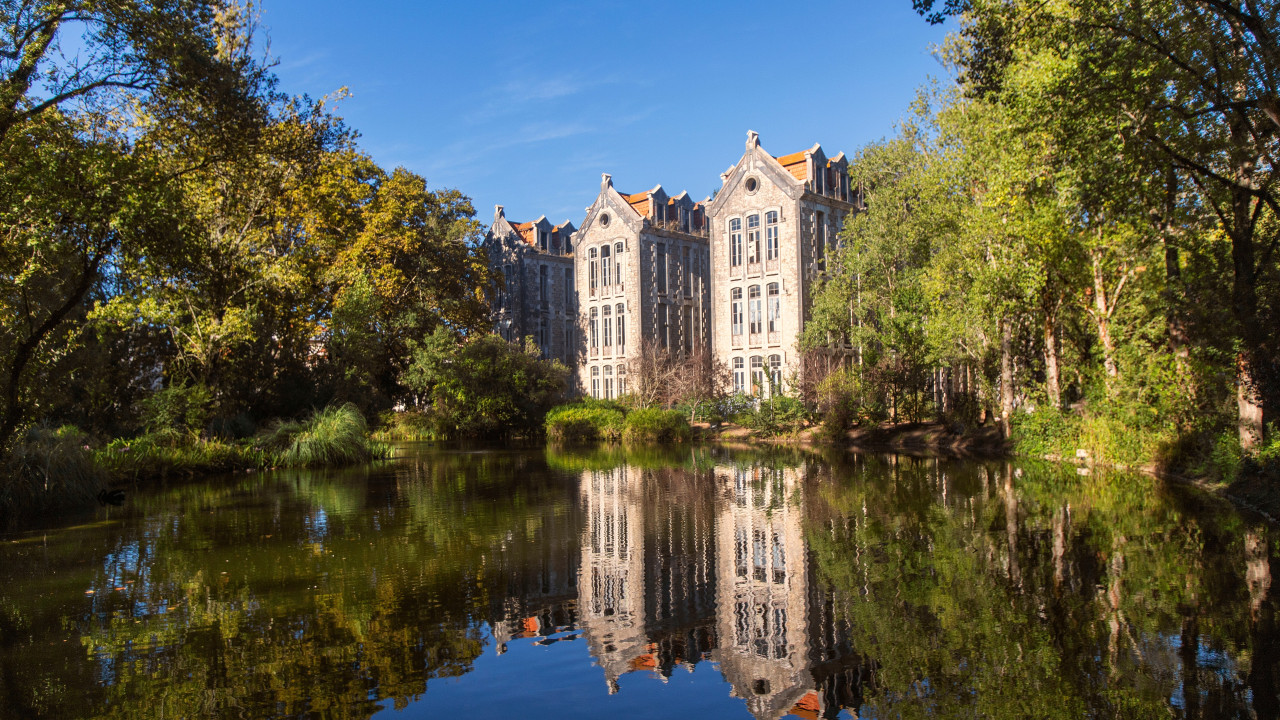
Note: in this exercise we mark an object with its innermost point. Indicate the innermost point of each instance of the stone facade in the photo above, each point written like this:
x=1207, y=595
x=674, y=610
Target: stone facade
x=731, y=274
x=642, y=264
x=773, y=224
x=534, y=294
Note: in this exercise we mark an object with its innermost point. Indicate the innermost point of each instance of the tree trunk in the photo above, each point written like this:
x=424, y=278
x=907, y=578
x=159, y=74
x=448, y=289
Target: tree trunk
x=1052, y=379
x=1102, y=316
x=1006, y=376
x=1248, y=406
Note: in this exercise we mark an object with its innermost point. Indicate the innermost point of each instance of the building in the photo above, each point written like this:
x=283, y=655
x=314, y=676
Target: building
x=642, y=264
x=731, y=274
x=773, y=224
x=534, y=296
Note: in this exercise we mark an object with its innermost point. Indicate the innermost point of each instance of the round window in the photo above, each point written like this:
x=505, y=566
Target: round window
x=604, y=220
x=752, y=185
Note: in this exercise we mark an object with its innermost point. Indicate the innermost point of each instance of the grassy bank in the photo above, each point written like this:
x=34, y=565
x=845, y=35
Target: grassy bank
x=55, y=468
x=593, y=420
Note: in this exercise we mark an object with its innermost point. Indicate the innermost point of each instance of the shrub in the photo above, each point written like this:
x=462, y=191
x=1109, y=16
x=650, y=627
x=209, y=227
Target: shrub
x=404, y=425
x=332, y=436
x=50, y=468
x=583, y=422
x=656, y=425
x=776, y=416
x=180, y=407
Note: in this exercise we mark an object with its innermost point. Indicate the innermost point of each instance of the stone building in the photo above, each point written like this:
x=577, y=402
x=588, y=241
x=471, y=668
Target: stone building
x=642, y=266
x=772, y=226
x=733, y=274
x=534, y=295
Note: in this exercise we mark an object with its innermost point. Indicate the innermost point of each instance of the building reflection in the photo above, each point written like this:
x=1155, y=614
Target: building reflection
x=680, y=566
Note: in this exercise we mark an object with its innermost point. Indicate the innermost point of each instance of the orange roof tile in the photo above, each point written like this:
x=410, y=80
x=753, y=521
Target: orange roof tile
x=795, y=164
x=639, y=201
x=526, y=232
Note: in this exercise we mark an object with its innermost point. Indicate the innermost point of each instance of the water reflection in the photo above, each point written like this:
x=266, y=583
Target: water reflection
x=838, y=587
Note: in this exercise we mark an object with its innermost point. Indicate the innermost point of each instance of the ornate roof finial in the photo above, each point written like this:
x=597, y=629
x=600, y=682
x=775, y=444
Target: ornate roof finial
x=606, y=181
x=753, y=139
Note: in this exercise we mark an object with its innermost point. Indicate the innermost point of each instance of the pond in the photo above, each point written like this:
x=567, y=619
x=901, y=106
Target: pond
x=701, y=582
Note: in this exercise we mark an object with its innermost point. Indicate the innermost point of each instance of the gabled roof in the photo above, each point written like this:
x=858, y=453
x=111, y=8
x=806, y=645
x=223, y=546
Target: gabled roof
x=795, y=162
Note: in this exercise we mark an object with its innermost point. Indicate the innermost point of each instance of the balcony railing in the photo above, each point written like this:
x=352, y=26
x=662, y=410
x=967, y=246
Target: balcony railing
x=677, y=226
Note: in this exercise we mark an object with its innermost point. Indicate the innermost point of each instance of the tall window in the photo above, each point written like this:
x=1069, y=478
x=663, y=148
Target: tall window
x=543, y=294
x=593, y=271
x=753, y=238
x=568, y=288
x=617, y=263
x=687, y=266
x=608, y=326
x=622, y=380
x=622, y=328
x=660, y=268
x=543, y=238
x=595, y=382
x=605, y=266
x=739, y=375
x=735, y=295
x=544, y=338
x=593, y=329
x=664, y=336
x=686, y=328
x=775, y=308
x=756, y=314
x=757, y=375
x=735, y=242
x=771, y=235
x=608, y=382
x=569, y=349
x=821, y=236
x=775, y=370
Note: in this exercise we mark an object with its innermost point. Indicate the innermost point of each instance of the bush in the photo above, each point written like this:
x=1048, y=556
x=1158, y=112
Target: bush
x=180, y=407
x=585, y=422
x=50, y=468
x=656, y=425
x=160, y=454
x=484, y=387
x=332, y=436
x=776, y=416
x=404, y=426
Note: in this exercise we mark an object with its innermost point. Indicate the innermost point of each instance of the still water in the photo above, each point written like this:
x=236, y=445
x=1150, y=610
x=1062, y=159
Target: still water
x=694, y=583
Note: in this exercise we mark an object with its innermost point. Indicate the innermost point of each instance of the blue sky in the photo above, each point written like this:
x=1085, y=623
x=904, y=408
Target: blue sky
x=525, y=104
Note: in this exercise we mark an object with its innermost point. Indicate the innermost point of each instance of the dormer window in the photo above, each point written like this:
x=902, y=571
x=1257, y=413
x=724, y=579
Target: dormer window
x=544, y=240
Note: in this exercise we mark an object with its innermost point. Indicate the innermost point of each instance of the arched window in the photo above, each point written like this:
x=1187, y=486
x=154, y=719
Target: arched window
x=739, y=376
x=757, y=375
x=608, y=382
x=735, y=242
x=622, y=380
x=593, y=329
x=771, y=235
x=755, y=310
x=775, y=371
x=622, y=328
x=753, y=238
x=617, y=263
x=595, y=382
x=775, y=308
x=605, y=267
x=608, y=326
x=735, y=297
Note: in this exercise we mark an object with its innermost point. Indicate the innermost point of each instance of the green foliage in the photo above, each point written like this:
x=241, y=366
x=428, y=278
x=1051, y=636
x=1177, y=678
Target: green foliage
x=403, y=425
x=586, y=421
x=48, y=469
x=775, y=415
x=484, y=387
x=649, y=425
x=183, y=407
x=332, y=436
x=172, y=454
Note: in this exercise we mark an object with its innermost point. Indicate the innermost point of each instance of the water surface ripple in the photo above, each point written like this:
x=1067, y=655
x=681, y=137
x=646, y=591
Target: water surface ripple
x=685, y=583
